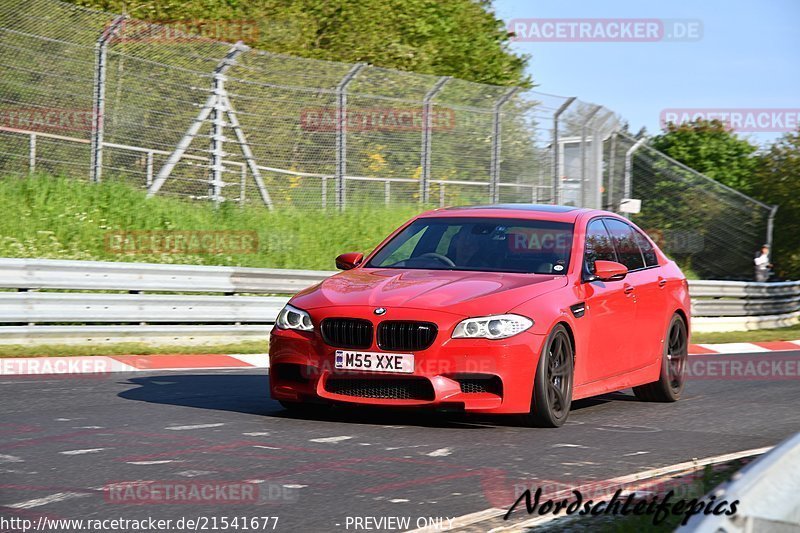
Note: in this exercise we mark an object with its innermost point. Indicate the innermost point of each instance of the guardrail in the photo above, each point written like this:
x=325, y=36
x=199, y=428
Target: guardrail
x=140, y=299
x=147, y=296
x=37, y=274
x=742, y=305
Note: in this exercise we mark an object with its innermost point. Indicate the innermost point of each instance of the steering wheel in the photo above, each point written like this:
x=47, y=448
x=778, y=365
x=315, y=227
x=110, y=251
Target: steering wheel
x=443, y=258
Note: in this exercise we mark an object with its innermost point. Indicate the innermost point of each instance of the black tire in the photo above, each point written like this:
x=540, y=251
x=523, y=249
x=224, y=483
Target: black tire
x=552, y=385
x=670, y=383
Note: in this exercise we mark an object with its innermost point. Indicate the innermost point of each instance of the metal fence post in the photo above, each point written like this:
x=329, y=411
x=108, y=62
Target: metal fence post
x=148, y=180
x=597, y=148
x=427, y=127
x=32, y=154
x=99, y=96
x=612, y=157
x=629, y=167
x=588, y=118
x=556, y=149
x=217, y=140
x=341, y=135
x=243, y=186
x=771, y=224
x=494, y=184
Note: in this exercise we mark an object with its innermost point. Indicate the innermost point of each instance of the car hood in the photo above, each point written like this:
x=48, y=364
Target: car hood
x=459, y=292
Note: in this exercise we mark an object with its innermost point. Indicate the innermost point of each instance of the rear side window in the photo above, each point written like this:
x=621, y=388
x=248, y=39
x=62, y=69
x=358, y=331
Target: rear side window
x=624, y=239
x=598, y=243
x=649, y=253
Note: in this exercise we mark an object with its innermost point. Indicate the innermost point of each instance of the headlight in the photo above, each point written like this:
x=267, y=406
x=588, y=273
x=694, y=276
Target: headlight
x=294, y=318
x=492, y=327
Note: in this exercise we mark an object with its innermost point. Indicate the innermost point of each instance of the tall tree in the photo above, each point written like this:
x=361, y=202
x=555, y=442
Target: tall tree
x=777, y=181
x=711, y=148
x=460, y=38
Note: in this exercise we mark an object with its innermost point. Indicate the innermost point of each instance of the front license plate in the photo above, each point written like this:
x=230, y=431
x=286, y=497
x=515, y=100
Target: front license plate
x=402, y=363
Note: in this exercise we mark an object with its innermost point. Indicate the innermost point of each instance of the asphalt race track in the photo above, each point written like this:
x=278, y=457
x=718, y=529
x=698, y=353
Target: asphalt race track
x=65, y=440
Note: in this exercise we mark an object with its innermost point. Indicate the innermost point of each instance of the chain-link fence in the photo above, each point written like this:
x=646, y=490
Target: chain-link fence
x=100, y=96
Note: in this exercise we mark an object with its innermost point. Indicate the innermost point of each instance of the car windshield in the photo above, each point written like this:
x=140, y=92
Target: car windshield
x=480, y=244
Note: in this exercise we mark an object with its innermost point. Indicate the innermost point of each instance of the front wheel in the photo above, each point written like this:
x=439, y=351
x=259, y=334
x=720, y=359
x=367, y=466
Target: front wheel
x=670, y=383
x=552, y=386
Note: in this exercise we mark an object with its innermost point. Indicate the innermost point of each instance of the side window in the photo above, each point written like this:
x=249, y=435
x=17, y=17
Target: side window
x=622, y=235
x=598, y=244
x=649, y=253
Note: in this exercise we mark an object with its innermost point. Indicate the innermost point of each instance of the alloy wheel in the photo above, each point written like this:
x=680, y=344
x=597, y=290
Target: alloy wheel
x=677, y=354
x=558, y=375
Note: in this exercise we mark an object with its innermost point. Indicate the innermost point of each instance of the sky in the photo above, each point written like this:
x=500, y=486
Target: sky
x=748, y=57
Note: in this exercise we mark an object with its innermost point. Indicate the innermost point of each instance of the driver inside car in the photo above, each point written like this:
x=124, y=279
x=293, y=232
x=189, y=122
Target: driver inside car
x=471, y=248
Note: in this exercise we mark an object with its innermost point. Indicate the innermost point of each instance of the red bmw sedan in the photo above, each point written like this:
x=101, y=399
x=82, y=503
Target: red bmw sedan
x=495, y=309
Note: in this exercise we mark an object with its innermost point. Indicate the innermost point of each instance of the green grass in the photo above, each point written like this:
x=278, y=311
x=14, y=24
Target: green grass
x=792, y=333
x=59, y=218
x=128, y=348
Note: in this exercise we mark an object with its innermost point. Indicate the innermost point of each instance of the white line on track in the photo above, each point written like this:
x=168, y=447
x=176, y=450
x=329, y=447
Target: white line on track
x=671, y=470
x=441, y=452
x=38, y=502
x=82, y=452
x=194, y=473
x=161, y=462
x=196, y=426
x=330, y=439
x=10, y=459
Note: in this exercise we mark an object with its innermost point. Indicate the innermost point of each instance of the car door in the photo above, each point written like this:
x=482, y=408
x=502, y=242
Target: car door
x=610, y=310
x=652, y=308
x=643, y=284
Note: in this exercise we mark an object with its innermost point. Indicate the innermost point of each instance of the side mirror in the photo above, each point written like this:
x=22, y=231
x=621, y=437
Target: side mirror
x=609, y=270
x=349, y=260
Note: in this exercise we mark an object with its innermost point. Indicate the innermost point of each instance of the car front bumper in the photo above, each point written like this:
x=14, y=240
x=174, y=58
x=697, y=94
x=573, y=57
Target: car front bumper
x=481, y=375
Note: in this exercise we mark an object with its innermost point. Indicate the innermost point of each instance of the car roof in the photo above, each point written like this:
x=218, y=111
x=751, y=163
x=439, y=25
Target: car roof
x=555, y=213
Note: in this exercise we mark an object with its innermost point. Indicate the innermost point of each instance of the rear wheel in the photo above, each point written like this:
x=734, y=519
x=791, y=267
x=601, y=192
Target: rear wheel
x=670, y=383
x=552, y=386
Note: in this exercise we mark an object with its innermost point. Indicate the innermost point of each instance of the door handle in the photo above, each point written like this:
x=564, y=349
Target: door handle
x=628, y=289
x=661, y=282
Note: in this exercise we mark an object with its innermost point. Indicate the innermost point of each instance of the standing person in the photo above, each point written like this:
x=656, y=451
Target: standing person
x=762, y=263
